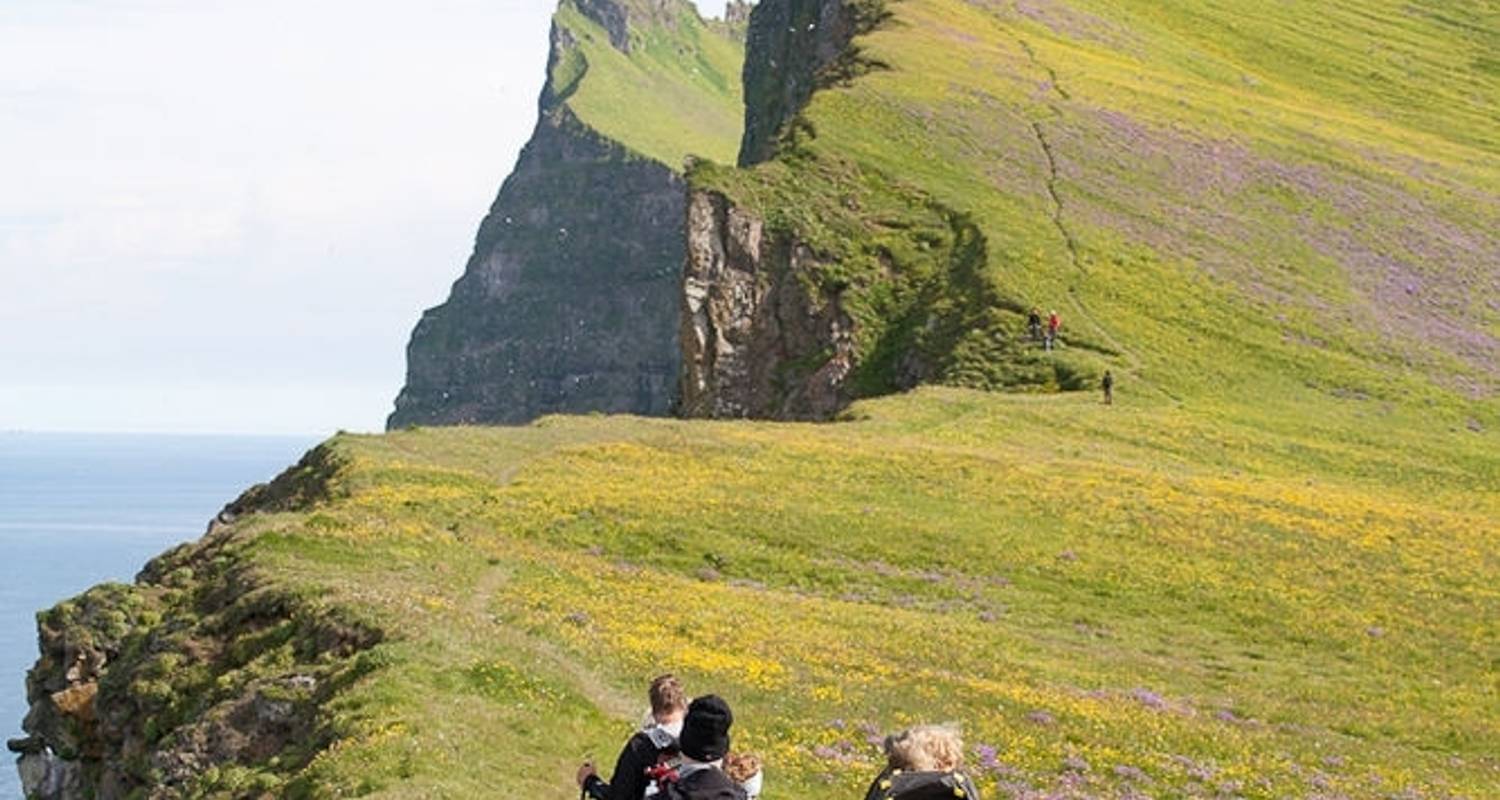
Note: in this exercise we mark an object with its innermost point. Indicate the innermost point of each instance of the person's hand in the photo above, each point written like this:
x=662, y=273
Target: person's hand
x=585, y=772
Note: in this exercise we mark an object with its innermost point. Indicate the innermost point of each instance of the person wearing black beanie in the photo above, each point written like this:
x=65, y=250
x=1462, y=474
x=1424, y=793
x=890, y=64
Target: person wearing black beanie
x=704, y=743
x=705, y=732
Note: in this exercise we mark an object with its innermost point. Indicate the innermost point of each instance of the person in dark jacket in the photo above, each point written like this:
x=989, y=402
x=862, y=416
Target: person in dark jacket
x=654, y=744
x=705, y=741
x=924, y=763
x=1109, y=388
x=1034, y=325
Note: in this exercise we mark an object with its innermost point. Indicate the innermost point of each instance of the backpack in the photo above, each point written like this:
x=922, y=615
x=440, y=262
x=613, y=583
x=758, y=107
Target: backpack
x=900, y=785
x=703, y=784
x=668, y=758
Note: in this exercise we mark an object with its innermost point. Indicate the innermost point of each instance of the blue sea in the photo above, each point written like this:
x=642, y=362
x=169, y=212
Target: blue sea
x=77, y=510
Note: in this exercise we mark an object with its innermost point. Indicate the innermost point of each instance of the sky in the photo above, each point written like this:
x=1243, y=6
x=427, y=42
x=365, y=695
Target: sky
x=220, y=216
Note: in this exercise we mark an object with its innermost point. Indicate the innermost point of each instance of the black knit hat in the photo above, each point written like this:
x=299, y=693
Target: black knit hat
x=705, y=732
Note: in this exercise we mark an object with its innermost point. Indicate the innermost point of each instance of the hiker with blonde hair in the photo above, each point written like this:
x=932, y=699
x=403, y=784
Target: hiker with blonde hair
x=924, y=763
x=747, y=772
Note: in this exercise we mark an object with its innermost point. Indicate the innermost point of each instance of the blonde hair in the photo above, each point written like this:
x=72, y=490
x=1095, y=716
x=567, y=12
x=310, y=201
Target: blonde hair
x=741, y=767
x=926, y=748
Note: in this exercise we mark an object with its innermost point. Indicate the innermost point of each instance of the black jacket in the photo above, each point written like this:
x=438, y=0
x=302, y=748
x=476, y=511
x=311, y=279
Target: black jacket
x=705, y=784
x=629, y=780
x=897, y=785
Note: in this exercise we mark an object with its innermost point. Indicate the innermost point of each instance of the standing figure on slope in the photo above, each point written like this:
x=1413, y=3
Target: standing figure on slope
x=1054, y=323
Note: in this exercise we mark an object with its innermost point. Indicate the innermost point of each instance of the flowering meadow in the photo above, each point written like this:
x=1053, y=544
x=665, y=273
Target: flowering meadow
x=1113, y=602
x=1271, y=570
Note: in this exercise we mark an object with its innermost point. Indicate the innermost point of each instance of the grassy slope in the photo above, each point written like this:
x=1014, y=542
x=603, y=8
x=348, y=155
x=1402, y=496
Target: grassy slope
x=1271, y=571
x=1212, y=604
x=1246, y=187
x=676, y=94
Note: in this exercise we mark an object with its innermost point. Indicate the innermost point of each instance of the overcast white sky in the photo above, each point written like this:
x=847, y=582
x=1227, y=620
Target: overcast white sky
x=227, y=215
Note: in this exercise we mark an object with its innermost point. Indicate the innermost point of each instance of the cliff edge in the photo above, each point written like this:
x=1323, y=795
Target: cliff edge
x=205, y=677
x=566, y=305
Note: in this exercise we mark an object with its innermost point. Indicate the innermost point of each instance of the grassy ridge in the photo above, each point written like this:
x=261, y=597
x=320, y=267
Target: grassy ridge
x=675, y=94
x=1225, y=215
x=1179, y=601
x=1269, y=572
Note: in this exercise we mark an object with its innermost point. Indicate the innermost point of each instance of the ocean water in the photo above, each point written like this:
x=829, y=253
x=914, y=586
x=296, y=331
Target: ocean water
x=77, y=510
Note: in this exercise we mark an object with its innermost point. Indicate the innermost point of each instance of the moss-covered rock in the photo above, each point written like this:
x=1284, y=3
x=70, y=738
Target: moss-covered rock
x=203, y=677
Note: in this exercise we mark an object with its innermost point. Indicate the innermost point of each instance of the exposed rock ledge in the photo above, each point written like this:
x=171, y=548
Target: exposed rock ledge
x=757, y=340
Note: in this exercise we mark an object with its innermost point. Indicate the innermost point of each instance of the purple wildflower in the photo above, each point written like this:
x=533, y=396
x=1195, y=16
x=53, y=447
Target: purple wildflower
x=989, y=757
x=1148, y=698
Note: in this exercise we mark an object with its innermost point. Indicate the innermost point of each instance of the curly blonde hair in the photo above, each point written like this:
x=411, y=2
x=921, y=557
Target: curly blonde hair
x=741, y=767
x=926, y=748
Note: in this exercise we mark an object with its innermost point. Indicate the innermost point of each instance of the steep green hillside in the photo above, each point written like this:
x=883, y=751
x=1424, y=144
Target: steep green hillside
x=1277, y=200
x=568, y=304
x=1270, y=570
x=1136, y=598
x=675, y=94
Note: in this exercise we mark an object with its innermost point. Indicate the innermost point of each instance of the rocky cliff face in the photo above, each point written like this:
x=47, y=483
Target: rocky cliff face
x=567, y=304
x=792, y=48
x=757, y=342
x=199, y=679
x=812, y=281
x=561, y=308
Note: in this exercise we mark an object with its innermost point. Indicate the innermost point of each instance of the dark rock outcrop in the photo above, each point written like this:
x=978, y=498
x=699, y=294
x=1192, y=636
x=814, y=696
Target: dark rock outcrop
x=566, y=304
x=792, y=48
x=620, y=17
x=757, y=341
x=737, y=13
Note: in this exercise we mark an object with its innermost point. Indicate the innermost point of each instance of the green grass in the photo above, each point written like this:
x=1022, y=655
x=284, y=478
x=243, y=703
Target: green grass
x=1270, y=571
x=1288, y=606
x=675, y=94
x=1228, y=210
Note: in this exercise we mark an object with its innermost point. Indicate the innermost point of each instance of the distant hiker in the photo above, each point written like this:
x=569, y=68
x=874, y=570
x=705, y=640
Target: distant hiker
x=1054, y=323
x=1109, y=388
x=1034, y=325
x=655, y=747
x=747, y=773
x=924, y=763
x=705, y=742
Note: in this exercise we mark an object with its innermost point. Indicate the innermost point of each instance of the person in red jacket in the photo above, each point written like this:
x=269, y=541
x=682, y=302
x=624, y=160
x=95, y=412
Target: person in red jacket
x=1054, y=323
